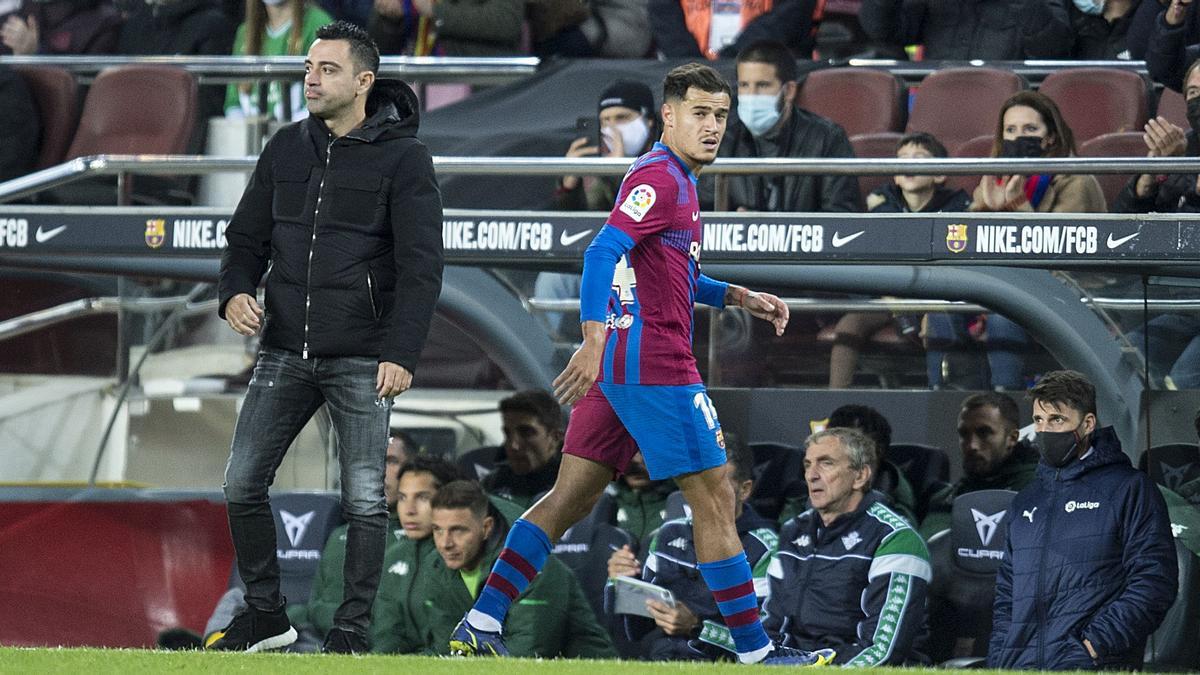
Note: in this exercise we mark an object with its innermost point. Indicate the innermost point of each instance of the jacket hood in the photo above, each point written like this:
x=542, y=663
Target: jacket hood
x=1106, y=451
x=1023, y=460
x=392, y=111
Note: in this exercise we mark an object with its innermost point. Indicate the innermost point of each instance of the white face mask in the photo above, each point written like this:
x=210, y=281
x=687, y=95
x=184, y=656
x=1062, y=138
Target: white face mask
x=759, y=112
x=1093, y=7
x=634, y=135
x=273, y=3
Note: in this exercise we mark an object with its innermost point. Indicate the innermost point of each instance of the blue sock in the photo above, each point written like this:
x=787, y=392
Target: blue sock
x=524, y=555
x=732, y=585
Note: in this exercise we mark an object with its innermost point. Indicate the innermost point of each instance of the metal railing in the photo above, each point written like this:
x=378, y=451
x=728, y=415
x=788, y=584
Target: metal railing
x=124, y=165
x=50, y=316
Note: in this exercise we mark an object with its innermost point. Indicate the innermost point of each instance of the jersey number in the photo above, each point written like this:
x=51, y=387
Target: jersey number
x=624, y=280
x=705, y=405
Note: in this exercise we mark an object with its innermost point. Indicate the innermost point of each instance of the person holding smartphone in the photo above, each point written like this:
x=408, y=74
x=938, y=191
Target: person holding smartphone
x=625, y=126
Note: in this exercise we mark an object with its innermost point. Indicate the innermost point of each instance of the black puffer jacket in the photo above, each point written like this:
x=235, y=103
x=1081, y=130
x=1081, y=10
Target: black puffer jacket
x=352, y=231
x=994, y=30
x=1172, y=193
x=1090, y=556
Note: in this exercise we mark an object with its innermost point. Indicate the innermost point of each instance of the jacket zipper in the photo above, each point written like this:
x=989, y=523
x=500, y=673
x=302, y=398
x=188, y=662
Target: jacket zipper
x=312, y=246
x=1041, y=603
x=371, y=295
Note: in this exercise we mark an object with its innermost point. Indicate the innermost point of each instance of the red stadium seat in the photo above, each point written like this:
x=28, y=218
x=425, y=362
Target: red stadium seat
x=1097, y=101
x=874, y=145
x=958, y=104
x=1124, y=144
x=57, y=96
x=980, y=146
x=137, y=110
x=1172, y=106
x=861, y=100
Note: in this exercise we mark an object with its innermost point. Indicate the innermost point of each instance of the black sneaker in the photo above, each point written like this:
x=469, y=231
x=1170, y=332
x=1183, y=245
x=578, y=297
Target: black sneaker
x=341, y=641
x=254, y=631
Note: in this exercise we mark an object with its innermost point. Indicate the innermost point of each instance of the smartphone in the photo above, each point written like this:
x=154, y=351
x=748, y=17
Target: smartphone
x=588, y=127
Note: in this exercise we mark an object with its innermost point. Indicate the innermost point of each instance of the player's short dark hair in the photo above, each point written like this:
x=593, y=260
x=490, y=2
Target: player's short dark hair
x=681, y=78
x=536, y=402
x=1066, y=387
x=462, y=494
x=867, y=420
x=363, y=50
x=773, y=53
x=443, y=471
x=740, y=455
x=925, y=141
x=1003, y=403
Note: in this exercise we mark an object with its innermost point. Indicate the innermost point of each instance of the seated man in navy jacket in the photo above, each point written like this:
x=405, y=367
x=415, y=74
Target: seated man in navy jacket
x=1090, y=569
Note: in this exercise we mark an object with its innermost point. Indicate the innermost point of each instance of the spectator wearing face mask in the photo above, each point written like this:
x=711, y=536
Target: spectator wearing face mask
x=1173, y=43
x=1101, y=28
x=769, y=124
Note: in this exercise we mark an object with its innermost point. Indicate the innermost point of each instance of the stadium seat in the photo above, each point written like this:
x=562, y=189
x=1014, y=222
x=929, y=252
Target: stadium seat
x=1174, y=464
x=1119, y=144
x=303, y=522
x=57, y=96
x=958, y=104
x=980, y=146
x=137, y=110
x=477, y=464
x=1172, y=106
x=1097, y=101
x=927, y=468
x=1175, y=646
x=880, y=145
x=778, y=474
x=861, y=100
x=965, y=559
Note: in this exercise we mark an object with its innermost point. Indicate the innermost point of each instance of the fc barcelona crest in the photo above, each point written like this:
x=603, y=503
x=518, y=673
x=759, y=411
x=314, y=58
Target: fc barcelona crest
x=156, y=232
x=956, y=238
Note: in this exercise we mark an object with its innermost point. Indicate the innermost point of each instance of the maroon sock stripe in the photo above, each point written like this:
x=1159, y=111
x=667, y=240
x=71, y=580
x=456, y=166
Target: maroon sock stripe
x=734, y=592
x=496, y=581
x=742, y=618
x=520, y=564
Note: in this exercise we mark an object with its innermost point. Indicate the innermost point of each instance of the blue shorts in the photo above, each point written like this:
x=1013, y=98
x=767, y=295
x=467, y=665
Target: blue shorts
x=675, y=426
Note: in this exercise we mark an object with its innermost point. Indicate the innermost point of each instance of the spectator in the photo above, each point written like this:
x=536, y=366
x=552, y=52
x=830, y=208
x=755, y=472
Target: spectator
x=448, y=27
x=770, y=125
x=57, y=27
x=991, y=30
x=19, y=125
x=850, y=573
x=886, y=477
x=275, y=28
x=552, y=620
x=671, y=563
x=993, y=458
x=395, y=616
x=589, y=28
x=1173, y=44
x=1101, y=28
x=722, y=30
x=639, y=501
x=907, y=194
x=533, y=438
x=357, y=12
x=1089, y=569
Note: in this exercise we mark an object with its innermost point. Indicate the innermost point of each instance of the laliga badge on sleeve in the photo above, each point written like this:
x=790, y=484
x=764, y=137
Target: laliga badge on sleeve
x=638, y=202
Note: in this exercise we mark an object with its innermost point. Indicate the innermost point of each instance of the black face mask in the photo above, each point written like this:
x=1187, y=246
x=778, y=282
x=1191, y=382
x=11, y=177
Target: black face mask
x=1021, y=147
x=1193, y=113
x=1058, y=448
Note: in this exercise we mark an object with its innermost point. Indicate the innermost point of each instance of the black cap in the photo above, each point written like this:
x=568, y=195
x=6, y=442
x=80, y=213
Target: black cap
x=628, y=94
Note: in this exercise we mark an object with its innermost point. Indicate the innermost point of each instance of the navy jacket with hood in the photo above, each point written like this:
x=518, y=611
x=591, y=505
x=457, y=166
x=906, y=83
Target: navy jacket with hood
x=351, y=230
x=1090, y=556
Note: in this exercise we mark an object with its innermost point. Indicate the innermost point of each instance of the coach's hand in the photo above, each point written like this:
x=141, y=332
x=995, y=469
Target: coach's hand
x=622, y=563
x=767, y=307
x=243, y=314
x=392, y=379
x=677, y=620
x=584, y=367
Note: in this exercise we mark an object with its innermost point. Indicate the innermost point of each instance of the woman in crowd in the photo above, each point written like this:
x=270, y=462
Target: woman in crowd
x=274, y=28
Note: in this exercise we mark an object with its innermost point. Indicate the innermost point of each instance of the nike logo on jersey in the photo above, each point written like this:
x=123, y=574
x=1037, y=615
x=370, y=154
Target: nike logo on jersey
x=568, y=239
x=695, y=216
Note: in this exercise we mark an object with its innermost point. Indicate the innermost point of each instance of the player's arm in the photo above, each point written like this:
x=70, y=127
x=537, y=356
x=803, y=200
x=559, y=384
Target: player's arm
x=765, y=306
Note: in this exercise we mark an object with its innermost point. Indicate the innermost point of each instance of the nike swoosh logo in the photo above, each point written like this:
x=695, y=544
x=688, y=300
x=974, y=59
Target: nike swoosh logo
x=43, y=236
x=568, y=239
x=695, y=216
x=840, y=241
x=1112, y=243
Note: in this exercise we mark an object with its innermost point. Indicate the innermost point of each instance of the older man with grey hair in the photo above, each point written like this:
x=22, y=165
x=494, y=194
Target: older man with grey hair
x=870, y=568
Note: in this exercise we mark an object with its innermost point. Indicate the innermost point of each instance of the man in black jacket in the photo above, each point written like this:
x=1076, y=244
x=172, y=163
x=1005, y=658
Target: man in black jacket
x=344, y=217
x=770, y=125
x=993, y=30
x=1090, y=568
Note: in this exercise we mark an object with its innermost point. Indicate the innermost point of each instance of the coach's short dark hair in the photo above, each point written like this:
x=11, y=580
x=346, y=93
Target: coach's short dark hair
x=462, y=494
x=774, y=53
x=924, y=140
x=740, y=455
x=681, y=78
x=363, y=50
x=536, y=402
x=443, y=471
x=1003, y=403
x=867, y=420
x=1066, y=387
